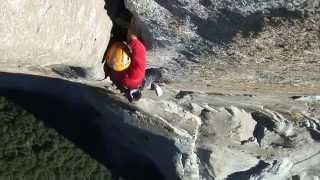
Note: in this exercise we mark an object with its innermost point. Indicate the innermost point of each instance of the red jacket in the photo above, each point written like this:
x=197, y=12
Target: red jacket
x=133, y=77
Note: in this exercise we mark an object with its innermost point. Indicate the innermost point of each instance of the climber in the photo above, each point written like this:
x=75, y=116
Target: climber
x=126, y=66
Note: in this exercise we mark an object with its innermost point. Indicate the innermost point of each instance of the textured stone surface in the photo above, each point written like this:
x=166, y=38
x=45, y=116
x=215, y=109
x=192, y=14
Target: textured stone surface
x=196, y=136
x=196, y=27
x=244, y=104
x=49, y=32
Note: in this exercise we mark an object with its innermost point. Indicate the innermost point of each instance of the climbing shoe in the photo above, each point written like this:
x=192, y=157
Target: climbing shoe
x=134, y=95
x=157, y=89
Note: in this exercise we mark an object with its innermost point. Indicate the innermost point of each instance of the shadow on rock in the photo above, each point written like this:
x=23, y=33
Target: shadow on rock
x=120, y=17
x=206, y=168
x=97, y=124
x=315, y=135
x=245, y=175
x=71, y=72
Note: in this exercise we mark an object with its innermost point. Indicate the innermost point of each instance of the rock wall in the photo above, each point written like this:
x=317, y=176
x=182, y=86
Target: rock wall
x=192, y=136
x=197, y=130
x=49, y=32
x=197, y=27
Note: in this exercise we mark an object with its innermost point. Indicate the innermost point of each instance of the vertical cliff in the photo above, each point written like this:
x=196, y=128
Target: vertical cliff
x=41, y=33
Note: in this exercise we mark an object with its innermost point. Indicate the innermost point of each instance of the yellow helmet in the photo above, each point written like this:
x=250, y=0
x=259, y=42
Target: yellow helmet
x=118, y=56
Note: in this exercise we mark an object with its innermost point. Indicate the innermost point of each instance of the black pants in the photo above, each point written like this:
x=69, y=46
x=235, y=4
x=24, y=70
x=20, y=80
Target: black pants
x=152, y=75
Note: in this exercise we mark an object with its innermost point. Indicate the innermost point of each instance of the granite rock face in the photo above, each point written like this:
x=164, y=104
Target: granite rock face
x=197, y=27
x=279, y=146
x=214, y=122
x=192, y=136
x=50, y=32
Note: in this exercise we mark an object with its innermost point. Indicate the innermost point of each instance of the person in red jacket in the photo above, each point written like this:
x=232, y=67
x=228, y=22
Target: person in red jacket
x=132, y=78
x=135, y=77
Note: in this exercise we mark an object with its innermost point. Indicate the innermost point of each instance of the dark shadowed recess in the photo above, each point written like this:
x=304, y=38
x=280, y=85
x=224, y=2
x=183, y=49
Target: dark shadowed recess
x=314, y=134
x=120, y=17
x=245, y=175
x=206, y=169
x=263, y=121
x=105, y=135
